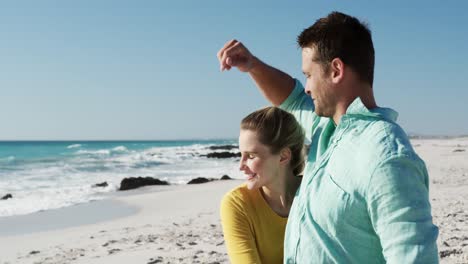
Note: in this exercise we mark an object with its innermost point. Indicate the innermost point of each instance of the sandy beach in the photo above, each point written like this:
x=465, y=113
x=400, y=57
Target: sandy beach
x=180, y=224
x=447, y=163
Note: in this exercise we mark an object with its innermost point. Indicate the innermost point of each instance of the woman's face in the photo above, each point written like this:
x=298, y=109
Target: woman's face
x=260, y=167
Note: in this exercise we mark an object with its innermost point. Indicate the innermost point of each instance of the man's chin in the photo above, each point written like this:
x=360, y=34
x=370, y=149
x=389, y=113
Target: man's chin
x=319, y=113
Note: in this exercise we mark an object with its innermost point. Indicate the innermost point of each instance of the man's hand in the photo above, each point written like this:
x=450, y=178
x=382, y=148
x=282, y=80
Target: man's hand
x=273, y=83
x=235, y=54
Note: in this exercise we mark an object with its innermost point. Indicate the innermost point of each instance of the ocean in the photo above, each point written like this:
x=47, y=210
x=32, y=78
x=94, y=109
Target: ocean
x=43, y=175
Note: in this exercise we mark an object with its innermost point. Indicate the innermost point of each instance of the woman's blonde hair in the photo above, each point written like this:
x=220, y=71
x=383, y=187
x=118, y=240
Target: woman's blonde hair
x=278, y=129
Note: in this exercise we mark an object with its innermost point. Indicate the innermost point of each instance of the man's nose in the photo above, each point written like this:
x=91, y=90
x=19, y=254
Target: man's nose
x=307, y=90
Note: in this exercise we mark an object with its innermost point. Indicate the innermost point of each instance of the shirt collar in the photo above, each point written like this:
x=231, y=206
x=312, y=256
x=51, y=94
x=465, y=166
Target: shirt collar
x=358, y=108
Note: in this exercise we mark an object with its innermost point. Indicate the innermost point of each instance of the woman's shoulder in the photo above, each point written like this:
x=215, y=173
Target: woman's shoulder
x=240, y=196
x=238, y=193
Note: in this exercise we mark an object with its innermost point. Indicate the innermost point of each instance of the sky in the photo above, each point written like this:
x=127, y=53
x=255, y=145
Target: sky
x=138, y=70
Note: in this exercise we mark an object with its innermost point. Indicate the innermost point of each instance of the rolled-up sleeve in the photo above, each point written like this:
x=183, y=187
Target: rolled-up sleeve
x=400, y=211
x=301, y=106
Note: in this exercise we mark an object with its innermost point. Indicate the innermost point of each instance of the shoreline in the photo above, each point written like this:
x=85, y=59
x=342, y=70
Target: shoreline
x=55, y=219
x=173, y=223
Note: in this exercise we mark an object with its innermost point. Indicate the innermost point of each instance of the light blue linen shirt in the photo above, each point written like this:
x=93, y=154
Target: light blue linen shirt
x=364, y=197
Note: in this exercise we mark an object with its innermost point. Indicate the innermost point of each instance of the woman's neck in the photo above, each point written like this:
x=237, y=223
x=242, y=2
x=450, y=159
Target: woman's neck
x=280, y=194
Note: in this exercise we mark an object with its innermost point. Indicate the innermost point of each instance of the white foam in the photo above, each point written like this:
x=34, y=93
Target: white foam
x=8, y=159
x=40, y=186
x=94, y=152
x=74, y=146
x=51, y=197
x=120, y=149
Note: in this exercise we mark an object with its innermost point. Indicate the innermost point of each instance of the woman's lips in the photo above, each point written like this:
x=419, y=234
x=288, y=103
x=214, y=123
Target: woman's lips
x=251, y=176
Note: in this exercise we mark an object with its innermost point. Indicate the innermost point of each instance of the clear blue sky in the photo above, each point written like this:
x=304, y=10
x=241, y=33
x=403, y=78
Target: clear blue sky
x=148, y=69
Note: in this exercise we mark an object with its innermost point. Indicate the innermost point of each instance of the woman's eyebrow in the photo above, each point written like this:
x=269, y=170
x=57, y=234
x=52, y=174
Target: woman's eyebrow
x=250, y=152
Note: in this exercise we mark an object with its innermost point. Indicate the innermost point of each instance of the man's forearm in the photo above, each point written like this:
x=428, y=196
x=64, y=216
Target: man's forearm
x=273, y=83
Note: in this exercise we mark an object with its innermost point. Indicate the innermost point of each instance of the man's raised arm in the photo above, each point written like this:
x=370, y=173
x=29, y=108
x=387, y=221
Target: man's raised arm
x=274, y=84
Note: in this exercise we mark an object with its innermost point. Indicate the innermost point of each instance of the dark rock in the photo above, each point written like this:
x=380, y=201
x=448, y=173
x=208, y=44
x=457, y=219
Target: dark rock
x=133, y=183
x=34, y=252
x=446, y=253
x=114, y=250
x=155, y=261
x=222, y=155
x=226, y=147
x=7, y=196
x=225, y=177
x=102, y=184
x=199, y=180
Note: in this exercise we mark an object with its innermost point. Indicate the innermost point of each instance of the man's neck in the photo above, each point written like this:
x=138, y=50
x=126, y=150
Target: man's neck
x=367, y=99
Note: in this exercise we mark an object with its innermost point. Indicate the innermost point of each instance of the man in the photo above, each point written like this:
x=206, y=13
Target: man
x=364, y=196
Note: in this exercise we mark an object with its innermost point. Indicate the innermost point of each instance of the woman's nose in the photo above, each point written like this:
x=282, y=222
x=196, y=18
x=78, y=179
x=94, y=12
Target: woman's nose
x=242, y=164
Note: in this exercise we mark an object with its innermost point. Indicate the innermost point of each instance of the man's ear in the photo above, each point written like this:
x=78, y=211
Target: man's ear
x=285, y=156
x=337, y=68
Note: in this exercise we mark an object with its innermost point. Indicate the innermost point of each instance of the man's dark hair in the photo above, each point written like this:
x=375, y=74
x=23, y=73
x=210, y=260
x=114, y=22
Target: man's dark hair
x=341, y=36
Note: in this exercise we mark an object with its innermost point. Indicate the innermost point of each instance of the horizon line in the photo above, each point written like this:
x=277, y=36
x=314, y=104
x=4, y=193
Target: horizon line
x=110, y=140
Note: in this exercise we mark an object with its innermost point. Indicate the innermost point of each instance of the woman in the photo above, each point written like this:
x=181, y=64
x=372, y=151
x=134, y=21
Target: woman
x=254, y=214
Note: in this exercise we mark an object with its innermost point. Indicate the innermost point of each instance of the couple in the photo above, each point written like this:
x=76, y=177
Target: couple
x=364, y=195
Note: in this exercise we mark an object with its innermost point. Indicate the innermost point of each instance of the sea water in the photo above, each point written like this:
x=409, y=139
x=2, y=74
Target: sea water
x=44, y=175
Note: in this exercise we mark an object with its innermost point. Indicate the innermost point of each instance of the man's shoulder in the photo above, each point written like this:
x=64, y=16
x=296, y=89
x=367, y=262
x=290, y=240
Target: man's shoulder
x=385, y=138
x=372, y=144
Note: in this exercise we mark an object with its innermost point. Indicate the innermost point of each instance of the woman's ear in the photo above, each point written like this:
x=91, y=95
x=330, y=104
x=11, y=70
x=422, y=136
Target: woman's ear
x=285, y=156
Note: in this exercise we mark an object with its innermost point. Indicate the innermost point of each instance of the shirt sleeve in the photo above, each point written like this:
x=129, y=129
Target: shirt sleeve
x=302, y=107
x=399, y=208
x=238, y=234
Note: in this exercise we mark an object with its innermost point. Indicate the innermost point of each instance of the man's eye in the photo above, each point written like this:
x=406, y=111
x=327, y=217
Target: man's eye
x=250, y=156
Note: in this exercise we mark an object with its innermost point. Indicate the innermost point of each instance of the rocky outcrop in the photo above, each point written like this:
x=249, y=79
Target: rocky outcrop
x=224, y=147
x=204, y=180
x=225, y=177
x=223, y=155
x=133, y=183
x=199, y=180
x=102, y=184
x=7, y=196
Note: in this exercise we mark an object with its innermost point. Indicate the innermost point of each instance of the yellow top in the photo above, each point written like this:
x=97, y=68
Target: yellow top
x=253, y=232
